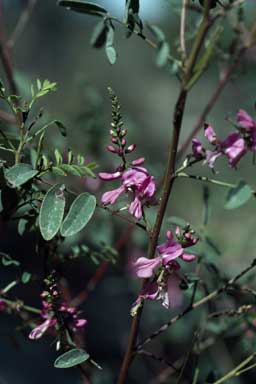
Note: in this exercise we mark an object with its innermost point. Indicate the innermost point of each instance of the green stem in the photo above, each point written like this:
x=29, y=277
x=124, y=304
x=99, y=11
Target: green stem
x=236, y=370
x=207, y=180
x=19, y=304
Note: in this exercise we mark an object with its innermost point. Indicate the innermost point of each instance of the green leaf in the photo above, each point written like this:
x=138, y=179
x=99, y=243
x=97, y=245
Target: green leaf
x=99, y=35
x=238, y=196
x=19, y=174
x=62, y=128
x=79, y=215
x=25, y=278
x=71, y=358
x=52, y=211
x=58, y=157
x=111, y=54
x=22, y=226
x=7, y=260
x=157, y=33
x=162, y=54
x=83, y=7
x=58, y=171
x=72, y=169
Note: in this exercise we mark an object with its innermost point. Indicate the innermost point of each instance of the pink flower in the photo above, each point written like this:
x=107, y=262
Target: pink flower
x=167, y=291
x=234, y=147
x=161, y=287
x=69, y=316
x=39, y=331
x=210, y=134
x=197, y=149
x=245, y=120
x=135, y=180
x=145, y=267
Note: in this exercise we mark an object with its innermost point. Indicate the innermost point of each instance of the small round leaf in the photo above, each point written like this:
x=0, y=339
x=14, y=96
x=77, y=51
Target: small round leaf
x=71, y=358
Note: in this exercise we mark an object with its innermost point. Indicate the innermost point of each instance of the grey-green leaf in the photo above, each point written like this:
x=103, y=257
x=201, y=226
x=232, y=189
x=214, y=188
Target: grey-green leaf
x=99, y=35
x=238, y=196
x=71, y=358
x=52, y=211
x=111, y=54
x=162, y=54
x=79, y=214
x=19, y=174
x=83, y=7
x=157, y=33
x=25, y=277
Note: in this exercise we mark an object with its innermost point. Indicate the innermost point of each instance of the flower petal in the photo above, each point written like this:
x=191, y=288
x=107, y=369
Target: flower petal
x=110, y=197
x=109, y=176
x=144, y=267
x=245, y=120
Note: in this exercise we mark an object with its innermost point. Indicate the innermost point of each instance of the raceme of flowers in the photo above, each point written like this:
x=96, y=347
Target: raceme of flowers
x=52, y=313
x=161, y=287
x=135, y=180
x=234, y=147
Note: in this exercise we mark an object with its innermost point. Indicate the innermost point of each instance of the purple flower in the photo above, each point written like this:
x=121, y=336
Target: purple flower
x=234, y=147
x=40, y=330
x=169, y=252
x=167, y=291
x=245, y=120
x=69, y=316
x=197, y=149
x=247, y=123
x=135, y=180
x=145, y=267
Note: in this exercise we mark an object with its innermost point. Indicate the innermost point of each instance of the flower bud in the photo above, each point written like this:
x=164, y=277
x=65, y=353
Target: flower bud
x=123, y=142
x=112, y=149
x=124, y=132
x=130, y=148
x=114, y=140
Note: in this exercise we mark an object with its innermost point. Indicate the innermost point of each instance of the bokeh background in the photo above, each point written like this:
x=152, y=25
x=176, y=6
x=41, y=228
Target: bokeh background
x=56, y=45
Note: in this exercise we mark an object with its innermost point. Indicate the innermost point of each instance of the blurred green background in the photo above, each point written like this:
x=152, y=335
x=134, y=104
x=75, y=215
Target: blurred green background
x=55, y=45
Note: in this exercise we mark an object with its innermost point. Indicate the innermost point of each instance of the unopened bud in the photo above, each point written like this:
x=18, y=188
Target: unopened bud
x=123, y=142
x=130, y=148
x=112, y=149
x=124, y=132
x=114, y=140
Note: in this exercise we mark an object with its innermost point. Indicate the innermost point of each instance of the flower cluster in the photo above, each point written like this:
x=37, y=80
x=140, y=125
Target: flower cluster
x=234, y=147
x=135, y=179
x=161, y=287
x=56, y=314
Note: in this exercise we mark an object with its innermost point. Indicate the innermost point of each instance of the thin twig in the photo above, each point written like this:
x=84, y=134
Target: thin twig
x=5, y=55
x=183, y=49
x=21, y=23
x=211, y=103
